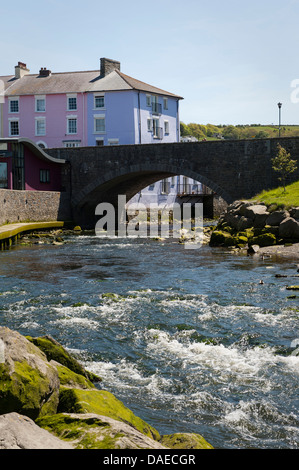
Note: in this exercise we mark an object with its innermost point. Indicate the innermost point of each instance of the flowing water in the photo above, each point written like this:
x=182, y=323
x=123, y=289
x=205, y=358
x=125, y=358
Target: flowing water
x=191, y=341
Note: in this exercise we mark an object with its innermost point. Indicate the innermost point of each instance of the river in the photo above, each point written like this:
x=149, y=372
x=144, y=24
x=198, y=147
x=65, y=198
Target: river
x=191, y=341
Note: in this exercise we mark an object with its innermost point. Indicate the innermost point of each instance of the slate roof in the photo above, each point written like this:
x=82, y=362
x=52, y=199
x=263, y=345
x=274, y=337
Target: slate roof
x=77, y=82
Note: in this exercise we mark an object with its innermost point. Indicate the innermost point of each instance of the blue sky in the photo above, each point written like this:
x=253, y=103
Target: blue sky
x=232, y=61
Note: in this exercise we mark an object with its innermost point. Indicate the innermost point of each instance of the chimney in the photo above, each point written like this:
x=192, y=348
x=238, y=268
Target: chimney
x=108, y=65
x=21, y=70
x=44, y=72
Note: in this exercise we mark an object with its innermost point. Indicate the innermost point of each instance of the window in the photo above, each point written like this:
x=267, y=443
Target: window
x=18, y=166
x=156, y=129
x=99, y=101
x=72, y=103
x=3, y=175
x=40, y=104
x=40, y=126
x=72, y=143
x=99, y=124
x=44, y=176
x=149, y=124
x=165, y=103
x=185, y=184
x=41, y=144
x=113, y=141
x=148, y=100
x=14, y=105
x=166, y=127
x=72, y=125
x=165, y=186
x=14, y=128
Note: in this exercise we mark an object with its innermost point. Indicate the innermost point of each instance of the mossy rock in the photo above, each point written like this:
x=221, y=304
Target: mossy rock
x=55, y=351
x=92, y=431
x=70, y=379
x=26, y=391
x=271, y=229
x=249, y=232
x=221, y=238
x=29, y=384
x=80, y=431
x=240, y=240
x=103, y=403
x=265, y=239
x=292, y=288
x=224, y=227
x=185, y=441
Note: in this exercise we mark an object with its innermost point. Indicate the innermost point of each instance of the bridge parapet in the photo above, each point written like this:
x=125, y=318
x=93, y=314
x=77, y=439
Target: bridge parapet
x=233, y=169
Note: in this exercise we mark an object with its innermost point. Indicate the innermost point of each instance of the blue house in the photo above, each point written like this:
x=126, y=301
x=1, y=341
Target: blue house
x=123, y=110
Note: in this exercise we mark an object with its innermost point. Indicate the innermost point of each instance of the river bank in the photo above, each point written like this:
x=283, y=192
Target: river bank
x=257, y=228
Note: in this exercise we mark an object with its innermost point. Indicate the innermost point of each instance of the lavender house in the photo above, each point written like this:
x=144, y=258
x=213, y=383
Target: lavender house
x=100, y=107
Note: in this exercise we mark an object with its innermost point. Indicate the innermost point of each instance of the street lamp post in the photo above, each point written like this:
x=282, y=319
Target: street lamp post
x=279, y=110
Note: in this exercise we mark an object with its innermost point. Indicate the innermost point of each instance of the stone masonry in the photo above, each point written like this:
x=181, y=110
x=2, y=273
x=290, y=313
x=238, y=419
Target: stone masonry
x=236, y=169
x=33, y=206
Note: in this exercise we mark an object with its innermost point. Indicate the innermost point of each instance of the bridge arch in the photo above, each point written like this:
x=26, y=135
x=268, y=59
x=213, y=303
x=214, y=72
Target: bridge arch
x=129, y=181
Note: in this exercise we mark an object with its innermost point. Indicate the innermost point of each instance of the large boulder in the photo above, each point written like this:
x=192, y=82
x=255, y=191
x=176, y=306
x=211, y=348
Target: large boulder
x=56, y=352
x=289, y=228
x=258, y=213
x=294, y=212
x=103, y=403
x=221, y=238
x=244, y=223
x=276, y=217
x=264, y=239
x=20, y=432
x=94, y=431
x=28, y=383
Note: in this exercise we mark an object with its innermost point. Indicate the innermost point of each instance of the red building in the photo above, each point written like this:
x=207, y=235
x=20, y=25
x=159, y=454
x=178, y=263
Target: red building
x=25, y=166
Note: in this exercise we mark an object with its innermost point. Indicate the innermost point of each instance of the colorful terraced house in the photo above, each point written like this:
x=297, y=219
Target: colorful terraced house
x=87, y=108
x=82, y=109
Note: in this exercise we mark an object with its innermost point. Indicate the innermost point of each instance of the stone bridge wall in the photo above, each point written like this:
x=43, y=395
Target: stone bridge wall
x=233, y=169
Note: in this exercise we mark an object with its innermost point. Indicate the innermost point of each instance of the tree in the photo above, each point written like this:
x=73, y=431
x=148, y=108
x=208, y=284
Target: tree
x=283, y=164
x=184, y=129
x=231, y=132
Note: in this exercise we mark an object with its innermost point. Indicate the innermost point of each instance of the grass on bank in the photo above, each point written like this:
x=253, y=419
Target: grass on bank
x=283, y=199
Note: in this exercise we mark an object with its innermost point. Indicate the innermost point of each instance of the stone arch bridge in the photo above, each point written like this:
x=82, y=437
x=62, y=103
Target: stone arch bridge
x=232, y=169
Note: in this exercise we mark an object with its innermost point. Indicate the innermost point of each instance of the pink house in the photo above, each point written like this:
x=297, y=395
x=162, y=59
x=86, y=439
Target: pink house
x=48, y=110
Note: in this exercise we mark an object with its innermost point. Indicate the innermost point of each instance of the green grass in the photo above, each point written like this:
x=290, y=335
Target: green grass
x=287, y=199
